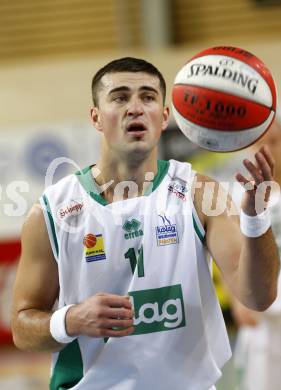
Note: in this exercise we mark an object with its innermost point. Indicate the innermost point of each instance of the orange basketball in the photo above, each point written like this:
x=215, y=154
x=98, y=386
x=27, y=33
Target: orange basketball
x=90, y=240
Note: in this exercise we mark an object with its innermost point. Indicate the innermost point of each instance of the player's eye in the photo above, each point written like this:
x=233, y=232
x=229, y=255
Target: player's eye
x=148, y=98
x=120, y=98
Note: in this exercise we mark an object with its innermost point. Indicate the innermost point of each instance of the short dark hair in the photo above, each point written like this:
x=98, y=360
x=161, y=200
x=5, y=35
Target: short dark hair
x=127, y=64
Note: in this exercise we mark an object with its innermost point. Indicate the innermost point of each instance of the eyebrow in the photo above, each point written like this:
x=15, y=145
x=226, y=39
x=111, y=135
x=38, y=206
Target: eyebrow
x=127, y=89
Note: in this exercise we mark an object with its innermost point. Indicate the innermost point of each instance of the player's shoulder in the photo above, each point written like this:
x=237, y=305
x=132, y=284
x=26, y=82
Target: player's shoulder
x=69, y=184
x=203, y=178
x=34, y=220
x=69, y=191
x=36, y=212
x=207, y=192
x=205, y=186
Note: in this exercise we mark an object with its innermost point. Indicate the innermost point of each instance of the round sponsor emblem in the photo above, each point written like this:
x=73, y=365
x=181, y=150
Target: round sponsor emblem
x=72, y=208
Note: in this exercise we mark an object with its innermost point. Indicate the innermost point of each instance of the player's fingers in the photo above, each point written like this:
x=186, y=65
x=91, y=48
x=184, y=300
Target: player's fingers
x=268, y=156
x=264, y=166
x=116, y=301
x=113, y=323
x=119, y=313
x=254, y=171
x=248, y=185
x=117, y=332
x=241, y=179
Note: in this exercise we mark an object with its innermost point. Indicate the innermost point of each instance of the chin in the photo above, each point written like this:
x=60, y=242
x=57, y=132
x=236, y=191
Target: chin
x=139, y=151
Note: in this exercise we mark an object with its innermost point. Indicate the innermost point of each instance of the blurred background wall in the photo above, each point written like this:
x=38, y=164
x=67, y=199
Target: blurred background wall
x=49, y=51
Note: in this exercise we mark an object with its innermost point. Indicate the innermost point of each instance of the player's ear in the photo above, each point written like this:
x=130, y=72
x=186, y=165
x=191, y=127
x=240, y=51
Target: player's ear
x=166, y=116
x=96, y=118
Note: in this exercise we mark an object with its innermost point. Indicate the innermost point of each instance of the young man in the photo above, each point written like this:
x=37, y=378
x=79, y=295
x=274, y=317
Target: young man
x=124, y=255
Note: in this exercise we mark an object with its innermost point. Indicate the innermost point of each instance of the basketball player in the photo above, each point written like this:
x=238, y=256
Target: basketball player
x=114, y=279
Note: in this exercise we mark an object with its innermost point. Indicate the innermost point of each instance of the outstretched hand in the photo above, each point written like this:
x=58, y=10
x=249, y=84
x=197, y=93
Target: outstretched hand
x=260, y=182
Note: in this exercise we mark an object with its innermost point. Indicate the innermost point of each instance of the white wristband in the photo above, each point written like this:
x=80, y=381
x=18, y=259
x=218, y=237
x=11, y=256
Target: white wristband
x=57, y=326
x=254, y=226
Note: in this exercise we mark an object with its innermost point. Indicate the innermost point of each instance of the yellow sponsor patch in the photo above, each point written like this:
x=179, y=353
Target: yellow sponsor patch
x=95, y=252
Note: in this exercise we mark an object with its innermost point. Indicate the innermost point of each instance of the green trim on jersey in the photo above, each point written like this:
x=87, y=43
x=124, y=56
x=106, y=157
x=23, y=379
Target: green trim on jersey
x=162, y=169
x=198, y=226
x=68, y=370
x=87, y=181
x=197, y=230
x=52, y=224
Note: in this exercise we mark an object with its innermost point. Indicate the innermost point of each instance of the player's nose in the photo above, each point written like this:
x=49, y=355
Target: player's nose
x=134, y=107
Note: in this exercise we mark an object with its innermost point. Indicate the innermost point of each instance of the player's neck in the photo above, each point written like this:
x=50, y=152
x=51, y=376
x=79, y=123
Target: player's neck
x=129, y=179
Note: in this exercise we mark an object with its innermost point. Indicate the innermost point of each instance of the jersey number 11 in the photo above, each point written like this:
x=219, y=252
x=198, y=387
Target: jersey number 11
x=136, y=260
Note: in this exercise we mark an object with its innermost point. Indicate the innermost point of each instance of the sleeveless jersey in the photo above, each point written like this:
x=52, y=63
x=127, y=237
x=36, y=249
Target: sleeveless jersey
x=152, y=248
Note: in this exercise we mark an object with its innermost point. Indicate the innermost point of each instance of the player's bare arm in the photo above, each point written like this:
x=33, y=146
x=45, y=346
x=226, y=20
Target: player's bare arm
x=36, y=290
x=250, y=266
x=36, y=287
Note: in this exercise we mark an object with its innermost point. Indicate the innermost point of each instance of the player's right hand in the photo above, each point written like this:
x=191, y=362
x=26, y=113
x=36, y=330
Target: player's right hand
x=101, y=315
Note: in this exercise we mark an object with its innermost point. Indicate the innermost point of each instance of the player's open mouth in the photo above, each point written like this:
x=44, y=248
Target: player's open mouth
x=136, y=128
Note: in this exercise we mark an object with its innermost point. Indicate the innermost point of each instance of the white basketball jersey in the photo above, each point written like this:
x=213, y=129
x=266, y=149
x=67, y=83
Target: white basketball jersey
x=152, y=248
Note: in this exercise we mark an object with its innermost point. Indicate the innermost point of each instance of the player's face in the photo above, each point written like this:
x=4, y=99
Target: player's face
x=130, y=112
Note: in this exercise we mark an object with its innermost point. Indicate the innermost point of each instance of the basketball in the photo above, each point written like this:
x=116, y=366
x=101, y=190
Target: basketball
x=90, y=240
x=224, y=99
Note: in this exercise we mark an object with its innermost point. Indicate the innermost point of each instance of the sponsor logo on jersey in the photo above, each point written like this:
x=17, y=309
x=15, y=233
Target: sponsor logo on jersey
x=158, y=309
x=132, y=229
x=73, y=208
x=178, y=189
x=94, y=247
x=166, y=234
